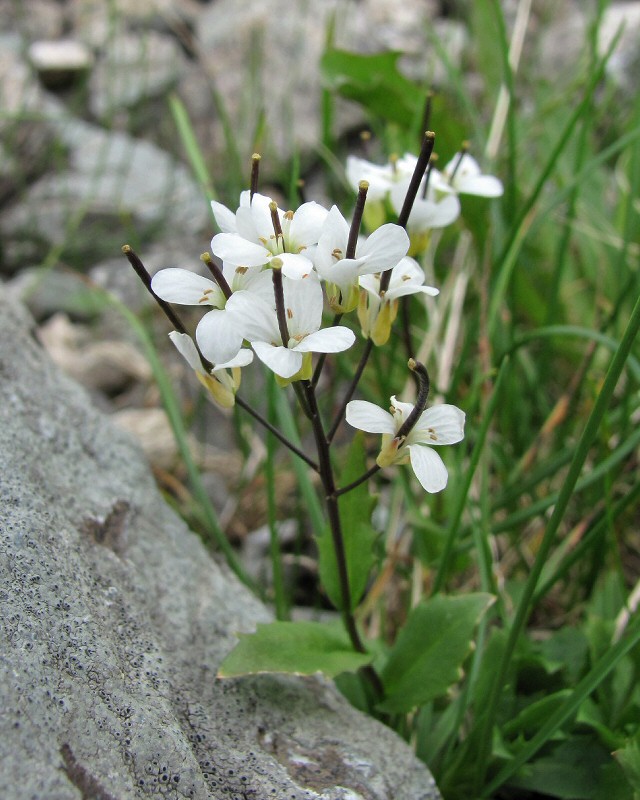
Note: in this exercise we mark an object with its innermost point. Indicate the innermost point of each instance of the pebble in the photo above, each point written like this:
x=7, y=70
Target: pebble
x=59, y=63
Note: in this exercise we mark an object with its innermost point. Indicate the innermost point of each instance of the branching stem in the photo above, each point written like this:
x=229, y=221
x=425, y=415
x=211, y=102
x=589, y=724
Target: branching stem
x=352, y=387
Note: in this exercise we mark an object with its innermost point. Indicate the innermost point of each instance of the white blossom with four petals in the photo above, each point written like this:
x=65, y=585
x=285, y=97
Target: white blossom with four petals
x=224, y=379
x=438, y=425
x=376, y=312
x=217, y=335
x=462, y=175
x=377, y=253
x=303, y=302
x=248, y=238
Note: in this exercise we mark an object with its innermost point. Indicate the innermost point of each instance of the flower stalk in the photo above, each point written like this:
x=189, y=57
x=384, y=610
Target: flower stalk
x=255, y=174
x=217, y=273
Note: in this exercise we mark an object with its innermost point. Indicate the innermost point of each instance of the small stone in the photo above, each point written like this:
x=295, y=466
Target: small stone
x=60, y=63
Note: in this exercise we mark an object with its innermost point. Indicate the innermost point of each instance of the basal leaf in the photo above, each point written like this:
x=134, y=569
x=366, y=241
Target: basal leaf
x=375, y=82
x=629, y=759
x=531, y=718
x=575, y=770
x=356, y=508
x=301, y=648
x=427, y=657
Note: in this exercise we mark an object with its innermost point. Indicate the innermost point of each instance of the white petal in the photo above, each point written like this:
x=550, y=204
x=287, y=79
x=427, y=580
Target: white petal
x=407, y=270
x=480, y=185
x=303, y=302
x=225, y=219
x=244, y=224
x=280, y=360
x=445, y=422
x=187, y=349
x=385, y=247
x=439, y=184
x=465, y=165
x=344, y=273
x=378, y=177
x=218, y=337
x=261, y=215
x=233, y=248
x=426, y=214
x=333, y=240
x=370, y=283
x=406, y=166
x=182, y=286
x=370, y=418
x=428, y=467
x=261, y=284
x=404, y=408
x=253, y=316
x=410, y=288
x=328, y=340
x=306, y=225
x=243, y=358
x=295, y=266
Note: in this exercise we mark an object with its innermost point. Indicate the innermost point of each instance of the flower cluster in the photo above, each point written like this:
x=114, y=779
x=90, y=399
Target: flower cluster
x=310, y=247
x=436, y=204
x=438, y=425
x=274, y=273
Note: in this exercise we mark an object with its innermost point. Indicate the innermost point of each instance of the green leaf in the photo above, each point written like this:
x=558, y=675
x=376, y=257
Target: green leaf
x=375, y=82
x=301, y=648
x=356, y=508
x=629, y=759
x=531, y=718
x=427, y=657
x=576, y=770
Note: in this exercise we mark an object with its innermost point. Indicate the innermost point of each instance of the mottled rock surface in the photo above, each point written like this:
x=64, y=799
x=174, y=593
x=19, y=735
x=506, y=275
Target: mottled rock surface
x=114, y=622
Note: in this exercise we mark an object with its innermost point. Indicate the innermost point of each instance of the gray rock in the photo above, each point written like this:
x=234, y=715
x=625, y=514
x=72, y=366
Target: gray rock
x=563, y=44
x=110, y=183
x=132, y=69
x=115, y=276
x=99, y=23
x=47, y=291
x=26, y=139
x=37, y=19
x=263, y=57
x=115, y=620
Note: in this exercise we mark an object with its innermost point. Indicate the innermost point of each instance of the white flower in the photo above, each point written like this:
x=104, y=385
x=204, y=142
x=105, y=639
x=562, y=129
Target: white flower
x=303, y=306
x=379, y=177
x=462, y=175
x=429, y=210
x=376, y=313
x=223, y=339
x=221, y=384
x=379, y=252
x=436, y=426
x=249, y=239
